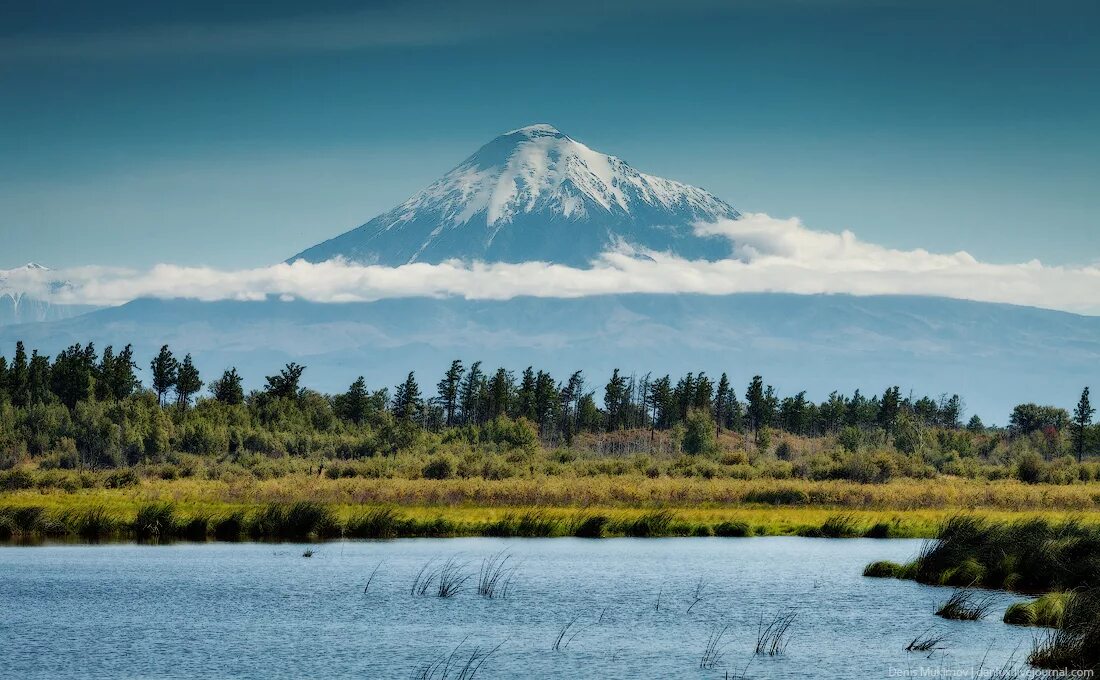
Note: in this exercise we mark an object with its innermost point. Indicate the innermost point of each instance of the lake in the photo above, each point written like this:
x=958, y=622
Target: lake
x=250, y=610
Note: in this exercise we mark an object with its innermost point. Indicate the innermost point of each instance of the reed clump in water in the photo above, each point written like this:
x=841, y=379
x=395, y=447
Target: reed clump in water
x=927, y=641
x=1045, y=611
x=1076, y=644
x=714, y=650
x=773, y=634
x=496, y=575
x=965, y=604
x=452, y=666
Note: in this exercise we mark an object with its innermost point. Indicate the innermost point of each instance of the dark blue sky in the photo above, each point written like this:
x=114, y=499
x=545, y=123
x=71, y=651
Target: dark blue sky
x=236, y=134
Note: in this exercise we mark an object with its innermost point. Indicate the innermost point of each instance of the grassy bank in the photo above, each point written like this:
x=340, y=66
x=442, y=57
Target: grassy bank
x=536, y=507
x=1060, y=559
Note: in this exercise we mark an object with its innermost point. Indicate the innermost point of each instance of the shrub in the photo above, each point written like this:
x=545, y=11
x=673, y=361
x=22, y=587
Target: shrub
x=699, y=433
x=441, y=467
x=1029, y=468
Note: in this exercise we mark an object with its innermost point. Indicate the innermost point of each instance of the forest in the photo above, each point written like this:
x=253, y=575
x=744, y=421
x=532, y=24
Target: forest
x=93, y=411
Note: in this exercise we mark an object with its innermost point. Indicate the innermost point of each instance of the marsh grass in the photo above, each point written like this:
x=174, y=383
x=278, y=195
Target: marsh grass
x=424, y=579
x=965, y=604
x=370, y=579
x=496, y=575
x=654, y=523
x=452, y=575
x=698, y=594
x=930, y=641
x=773, y=634
x=155, y=521
x=715, y=649
x=589, y=526
x=837, y=526
x=1076, y=644
x=452, y=666
x=530, y=524
x=381, y=522
x=91, y=524
x=1045, y=611
x=229, y=527
x=295, y=521
x=886, y=569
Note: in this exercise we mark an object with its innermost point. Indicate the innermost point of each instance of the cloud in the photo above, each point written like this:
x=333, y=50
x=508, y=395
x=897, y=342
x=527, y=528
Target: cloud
x=770, y=255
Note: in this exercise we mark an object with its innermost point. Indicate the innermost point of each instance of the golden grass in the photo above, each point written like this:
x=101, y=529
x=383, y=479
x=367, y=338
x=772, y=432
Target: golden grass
x=911, y=507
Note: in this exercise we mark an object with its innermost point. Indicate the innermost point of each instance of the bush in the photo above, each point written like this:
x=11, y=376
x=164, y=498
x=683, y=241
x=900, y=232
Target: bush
x=1029, y=468
x=733, y=529
x=441, y=467
x=699, y=433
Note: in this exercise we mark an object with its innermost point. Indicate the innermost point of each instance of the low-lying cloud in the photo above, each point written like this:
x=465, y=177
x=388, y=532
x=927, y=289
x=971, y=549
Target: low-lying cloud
x=769, y=255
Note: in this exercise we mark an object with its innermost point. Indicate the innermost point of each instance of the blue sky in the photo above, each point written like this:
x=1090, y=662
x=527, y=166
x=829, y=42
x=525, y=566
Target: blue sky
x=236, y=135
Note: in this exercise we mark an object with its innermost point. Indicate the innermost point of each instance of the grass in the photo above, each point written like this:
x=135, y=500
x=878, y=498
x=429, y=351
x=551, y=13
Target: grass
x=115, y=515
x=496, y=575
x=965, y=604
x=1045, y=612
x=773, y=634
x=715, y=649
x=928, y=641
x=1077, y=643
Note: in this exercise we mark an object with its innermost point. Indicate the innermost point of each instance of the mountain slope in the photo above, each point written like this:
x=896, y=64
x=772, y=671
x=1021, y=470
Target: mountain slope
x=17, y=305
x=995, y=356
x=535, y=194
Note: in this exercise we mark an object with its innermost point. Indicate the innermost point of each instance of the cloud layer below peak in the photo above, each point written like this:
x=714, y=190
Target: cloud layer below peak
x=769, y=255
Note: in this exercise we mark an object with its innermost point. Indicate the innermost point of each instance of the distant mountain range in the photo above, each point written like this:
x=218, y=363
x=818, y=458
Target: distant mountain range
x=993, y=355
x=535, y=194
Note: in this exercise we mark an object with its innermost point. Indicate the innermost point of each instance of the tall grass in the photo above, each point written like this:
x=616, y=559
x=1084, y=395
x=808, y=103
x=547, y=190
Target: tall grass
x=714, y=650
x=295, y=521
x=773, y=634
x=452, y=666
x=495, y=576
x=965, y=604
x=1076, y=644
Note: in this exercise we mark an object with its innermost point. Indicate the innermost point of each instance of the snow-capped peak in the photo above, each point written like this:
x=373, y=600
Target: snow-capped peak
x=533, y=193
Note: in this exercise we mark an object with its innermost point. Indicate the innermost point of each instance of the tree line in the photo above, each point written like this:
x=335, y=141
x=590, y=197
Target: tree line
x=558, y=409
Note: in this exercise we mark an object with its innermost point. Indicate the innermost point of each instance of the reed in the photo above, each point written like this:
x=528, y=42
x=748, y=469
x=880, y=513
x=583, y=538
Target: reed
x=452, y=575
x=154, y=522
x=927, y=641
x=495, y=576
x=965, y=604
x=714, y=650
x=772, y=635
x=655, y=523
x=1076, y=645
x=448, y=667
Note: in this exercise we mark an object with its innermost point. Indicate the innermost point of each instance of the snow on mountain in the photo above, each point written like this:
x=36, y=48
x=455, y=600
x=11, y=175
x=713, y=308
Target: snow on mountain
x=535, y=194
x=25, y=294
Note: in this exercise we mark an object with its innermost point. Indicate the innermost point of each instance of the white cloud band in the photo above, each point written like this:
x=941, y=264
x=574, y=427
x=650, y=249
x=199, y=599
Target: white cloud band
x=770, y=255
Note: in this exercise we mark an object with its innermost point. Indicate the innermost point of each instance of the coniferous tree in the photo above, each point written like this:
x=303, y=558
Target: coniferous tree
x=164, y=370
x=614, y=395
x=721, y=403
x=448, y=389
x=188, y=382
x=889, y=409
x=757, y=407
x=38, y=379
x=500, y=389
x=525, y=396
x=72, y=377
x=407, y=404
x=546, y=394
x=285, y=384
x=228, y=388
x=18, y=376
x=470, y=394
x=5, y=392
x=1082, y=418
x=354, y=405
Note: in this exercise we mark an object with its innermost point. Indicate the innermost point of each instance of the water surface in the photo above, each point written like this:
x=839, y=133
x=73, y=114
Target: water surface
x=250, y=610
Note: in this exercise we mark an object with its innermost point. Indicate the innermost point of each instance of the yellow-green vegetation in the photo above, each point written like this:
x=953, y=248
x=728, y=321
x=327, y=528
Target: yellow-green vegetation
x=1045, y=611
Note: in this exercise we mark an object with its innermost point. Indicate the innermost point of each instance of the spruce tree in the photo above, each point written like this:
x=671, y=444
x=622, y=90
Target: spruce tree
x=407, y=404
x=188, y=382
x=284, y=385
x=354, y=404
x=1082, y=418
x=448, y=389
x=228, y=389
x=165, y=372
